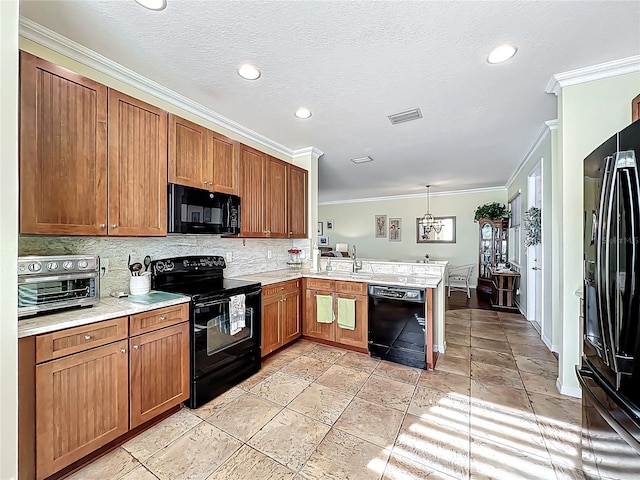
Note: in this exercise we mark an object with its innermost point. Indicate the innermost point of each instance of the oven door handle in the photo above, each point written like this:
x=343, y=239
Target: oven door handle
x=212, y=303
x=56, y=278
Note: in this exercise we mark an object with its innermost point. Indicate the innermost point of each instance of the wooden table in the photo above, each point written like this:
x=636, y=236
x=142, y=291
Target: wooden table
x=504, y=284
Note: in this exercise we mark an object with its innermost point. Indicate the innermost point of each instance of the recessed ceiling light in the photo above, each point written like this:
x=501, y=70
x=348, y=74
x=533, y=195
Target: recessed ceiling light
x=362, y=159
x=153, y=4
x=502, y=54
x=248, y=72
x=303, y=113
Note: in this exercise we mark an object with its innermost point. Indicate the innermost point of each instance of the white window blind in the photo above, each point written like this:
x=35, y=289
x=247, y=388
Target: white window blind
x=514, y=207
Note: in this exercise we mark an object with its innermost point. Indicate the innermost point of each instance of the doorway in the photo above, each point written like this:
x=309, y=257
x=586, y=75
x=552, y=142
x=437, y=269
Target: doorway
x=534, y=254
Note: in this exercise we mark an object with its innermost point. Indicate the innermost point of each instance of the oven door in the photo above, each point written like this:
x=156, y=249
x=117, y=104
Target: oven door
x=45, y=293
x=220, y=336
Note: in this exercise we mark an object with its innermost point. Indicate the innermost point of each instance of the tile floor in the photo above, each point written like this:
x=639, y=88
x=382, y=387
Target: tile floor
x=490, y=411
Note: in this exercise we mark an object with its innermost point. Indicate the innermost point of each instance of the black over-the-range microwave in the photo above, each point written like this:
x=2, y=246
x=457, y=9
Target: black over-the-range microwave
x=193, y=210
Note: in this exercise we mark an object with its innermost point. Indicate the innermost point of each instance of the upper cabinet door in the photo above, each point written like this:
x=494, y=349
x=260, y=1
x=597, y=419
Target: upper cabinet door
x=223, y=155
x=297, y=202
x=188, y=153
x=252, y=187
x=63, y=151
x=137, y=167
x=276, y=198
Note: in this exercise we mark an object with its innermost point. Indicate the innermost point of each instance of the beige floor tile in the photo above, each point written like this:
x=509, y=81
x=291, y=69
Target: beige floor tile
x=280, y=359
x=566, y=473
x=249, y=464
x=299, y=347
x=371, y=422
x=434, y=445
x=321, y=403
x=480, y=313
x=459, y=366
x=508, y=316
x=280, y=388
x=324, y=353
x=395, y=371
x=218, y=403
x=358, y=361
x=387, y=392
x=534, y=365
x=342, y=456
x=139, y=473
x=114, y=464
x=493, y=325
x=449, y=409
x=459, y=351
x=451, y=338
x=306, y=368
x=256, y=378
x=563, y=441
x=344, y=379
x=520, y=339
x=445, y=382
x=544, y=384
x=254, y=411
x=489, y=334
x=459, y=329
x=560, y=410
x=498, y=397
x=491, y=357
x=290, y=438
x=454, y=320
x=192, y=456
x=161, y=435
x=485, y=372
x=487, y=344
x=522, y=330
x=491, y=461
x=401, y=468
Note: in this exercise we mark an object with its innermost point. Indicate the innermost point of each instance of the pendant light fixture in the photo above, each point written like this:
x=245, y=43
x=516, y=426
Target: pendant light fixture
x=427, y=222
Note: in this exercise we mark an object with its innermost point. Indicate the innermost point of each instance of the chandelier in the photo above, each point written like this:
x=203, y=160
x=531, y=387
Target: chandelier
x=427, y=222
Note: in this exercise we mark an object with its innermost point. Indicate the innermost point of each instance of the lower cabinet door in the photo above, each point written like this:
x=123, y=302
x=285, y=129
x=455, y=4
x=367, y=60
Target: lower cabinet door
x=290, y=317
x=270, y=324
x=357, y=337
x=311, y=327
x=158, y=371
x=81, y=405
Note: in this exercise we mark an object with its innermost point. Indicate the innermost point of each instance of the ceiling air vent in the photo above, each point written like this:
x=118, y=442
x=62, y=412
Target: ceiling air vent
x=407, y=116
x=362, y=159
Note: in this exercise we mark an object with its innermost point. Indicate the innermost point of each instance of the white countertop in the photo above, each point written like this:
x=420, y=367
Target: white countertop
x=107, y=309
x=267, y=278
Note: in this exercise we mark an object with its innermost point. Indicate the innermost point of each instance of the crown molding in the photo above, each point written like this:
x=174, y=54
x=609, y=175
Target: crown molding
x=60, y=44
x=414, y=195
x=543, y=132
x=594, y=72
x=307, y=151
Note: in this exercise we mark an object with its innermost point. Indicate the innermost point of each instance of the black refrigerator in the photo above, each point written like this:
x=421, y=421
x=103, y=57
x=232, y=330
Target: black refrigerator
x=609, y=373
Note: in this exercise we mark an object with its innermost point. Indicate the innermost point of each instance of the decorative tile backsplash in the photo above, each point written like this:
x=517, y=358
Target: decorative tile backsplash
x=243, y=256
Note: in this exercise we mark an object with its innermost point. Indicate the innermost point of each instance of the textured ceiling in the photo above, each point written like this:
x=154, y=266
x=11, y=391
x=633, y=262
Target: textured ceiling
x=353, y=63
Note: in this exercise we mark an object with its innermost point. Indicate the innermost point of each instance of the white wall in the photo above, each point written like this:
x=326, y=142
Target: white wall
x=354, y=223
x=8, y=239
x=588, y=114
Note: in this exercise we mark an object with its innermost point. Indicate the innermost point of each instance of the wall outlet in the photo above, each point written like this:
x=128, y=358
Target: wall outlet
x=269, y=253
x=229, y=257
x=104, y=265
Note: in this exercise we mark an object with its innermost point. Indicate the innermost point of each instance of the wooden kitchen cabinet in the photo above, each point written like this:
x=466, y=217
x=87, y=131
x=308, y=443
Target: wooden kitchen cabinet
x=635, y=109
x=297, y=193
x=276, y=197
x=332, y=332
x=158, y=372
x=81, y=404
x=63, y=151
x=252, y=192
x=281, y=315
x=223, y=154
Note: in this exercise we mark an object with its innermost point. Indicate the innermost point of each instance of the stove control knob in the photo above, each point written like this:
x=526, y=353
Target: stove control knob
x=83, y=264
x=68, y=265
x=168, y=266
x=35, y=267
x=159, y=266
x=52, y=266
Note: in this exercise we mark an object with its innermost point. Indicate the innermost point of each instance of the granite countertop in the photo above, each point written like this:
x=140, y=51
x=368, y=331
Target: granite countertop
x=108, y=308
x=276, y=276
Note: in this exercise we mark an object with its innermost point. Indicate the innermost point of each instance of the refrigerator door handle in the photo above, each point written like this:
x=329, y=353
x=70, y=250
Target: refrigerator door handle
x=603, y=411
x=603, y=259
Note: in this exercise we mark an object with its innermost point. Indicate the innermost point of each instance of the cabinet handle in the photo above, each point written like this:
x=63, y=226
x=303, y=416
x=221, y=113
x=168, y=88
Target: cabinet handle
x=87, y=337
x=103, y=225
x=136, y=347
x=123, y=350
x=163, y=318
x=290, y=233
x=114, y=226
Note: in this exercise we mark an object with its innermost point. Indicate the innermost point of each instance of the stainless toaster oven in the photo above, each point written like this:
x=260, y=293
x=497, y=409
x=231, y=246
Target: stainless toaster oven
x=51, y=283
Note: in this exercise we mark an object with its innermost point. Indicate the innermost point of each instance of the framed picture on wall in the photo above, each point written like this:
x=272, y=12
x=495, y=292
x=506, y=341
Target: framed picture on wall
x=323, y=241
x=329, y=224
x=381, y=226
x=395, y=225
x=320, y=229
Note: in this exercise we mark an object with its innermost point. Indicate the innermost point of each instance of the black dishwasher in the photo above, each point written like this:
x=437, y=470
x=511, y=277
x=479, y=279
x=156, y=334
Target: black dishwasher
x=397, y=324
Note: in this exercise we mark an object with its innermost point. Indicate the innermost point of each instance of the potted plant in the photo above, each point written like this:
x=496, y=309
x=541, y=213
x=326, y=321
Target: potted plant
x=491, y=211
x=532, y=227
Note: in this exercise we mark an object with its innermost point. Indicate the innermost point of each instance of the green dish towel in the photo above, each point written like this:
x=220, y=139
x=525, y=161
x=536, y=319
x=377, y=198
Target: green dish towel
x=324, y=308
x=347, y=313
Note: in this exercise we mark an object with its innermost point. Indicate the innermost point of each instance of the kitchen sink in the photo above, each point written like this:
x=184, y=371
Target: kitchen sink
x=361, y=274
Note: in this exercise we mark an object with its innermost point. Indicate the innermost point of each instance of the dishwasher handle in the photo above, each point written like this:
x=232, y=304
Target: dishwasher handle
x=403, y=294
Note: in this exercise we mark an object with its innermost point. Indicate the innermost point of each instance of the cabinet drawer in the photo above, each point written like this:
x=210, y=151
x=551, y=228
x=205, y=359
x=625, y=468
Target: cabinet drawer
x=351, y=287
x=159, y=318
x=280, y=288
x=320, y=284
x=74, y=340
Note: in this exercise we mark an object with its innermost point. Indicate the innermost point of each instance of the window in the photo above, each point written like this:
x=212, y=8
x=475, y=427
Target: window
x=514, y=230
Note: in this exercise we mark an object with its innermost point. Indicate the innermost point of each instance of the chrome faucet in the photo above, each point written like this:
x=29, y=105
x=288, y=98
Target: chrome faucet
x=357, y=265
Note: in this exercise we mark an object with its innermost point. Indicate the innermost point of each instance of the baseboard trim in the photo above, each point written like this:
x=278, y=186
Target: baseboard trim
x=575, y=392
x=548, y=343
x=439, y=348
